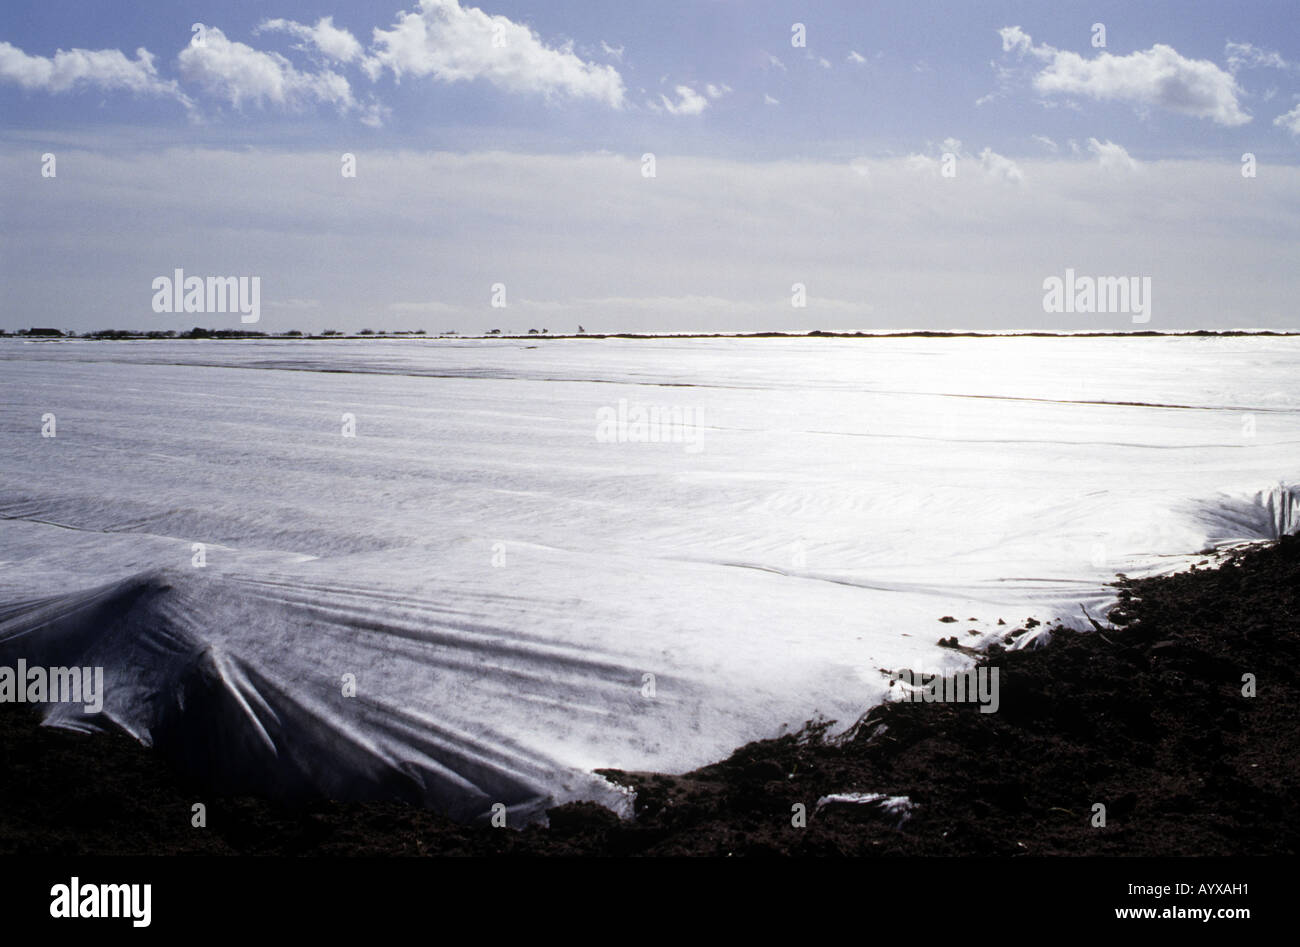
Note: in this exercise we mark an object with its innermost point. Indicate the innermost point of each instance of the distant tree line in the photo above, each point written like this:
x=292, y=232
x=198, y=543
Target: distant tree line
x=201, y=333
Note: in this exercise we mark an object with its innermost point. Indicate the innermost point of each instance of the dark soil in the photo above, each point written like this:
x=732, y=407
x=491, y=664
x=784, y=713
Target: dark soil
x=1146, y=717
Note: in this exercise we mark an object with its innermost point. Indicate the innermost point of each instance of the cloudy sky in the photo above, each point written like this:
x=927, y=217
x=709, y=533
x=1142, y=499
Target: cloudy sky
x=909, y=164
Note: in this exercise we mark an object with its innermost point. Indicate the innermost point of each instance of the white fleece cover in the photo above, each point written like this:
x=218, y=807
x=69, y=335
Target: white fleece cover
x=499, y=581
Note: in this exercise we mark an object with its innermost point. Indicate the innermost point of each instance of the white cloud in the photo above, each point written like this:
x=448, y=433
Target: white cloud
x=73, y=69
x=452, y=43
x=374, y=115
x=855, y=57
x=998, y=166
x=1112, y=157
x=717, y=91
x=615, y=52
x=331, y=41
x=1014, y=39
x=774, y=62
x=921, y=163
x=768, y=100
x=1245, y=56
x=1047, y=143
x=1006, y=76
x=993, y=165
x=689, y=102
x=239, y=73
x=1290, y=121
x=1158, y=76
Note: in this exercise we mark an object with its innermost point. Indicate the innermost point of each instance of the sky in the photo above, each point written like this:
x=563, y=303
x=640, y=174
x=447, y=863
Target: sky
x=714, y=165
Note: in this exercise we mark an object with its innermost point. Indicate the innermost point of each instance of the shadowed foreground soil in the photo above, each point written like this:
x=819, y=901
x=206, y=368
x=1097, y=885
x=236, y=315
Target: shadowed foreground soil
x=1146, y=717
